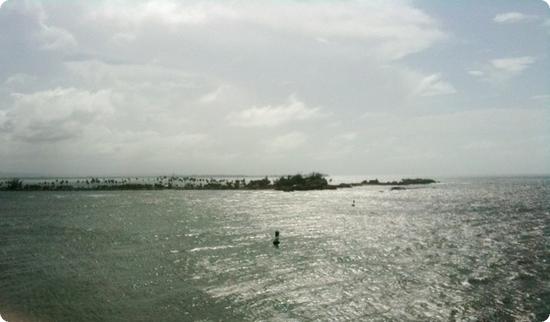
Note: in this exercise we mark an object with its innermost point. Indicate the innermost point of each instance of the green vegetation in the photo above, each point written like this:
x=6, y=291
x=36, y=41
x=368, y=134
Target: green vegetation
x=264, y=183
x=298, y=182
x=314, y=181
x=14, y=184
x=416, y=181
x=403, y=182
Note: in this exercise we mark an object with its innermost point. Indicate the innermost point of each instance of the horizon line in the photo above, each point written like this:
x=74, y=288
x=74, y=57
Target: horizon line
x=486, y=175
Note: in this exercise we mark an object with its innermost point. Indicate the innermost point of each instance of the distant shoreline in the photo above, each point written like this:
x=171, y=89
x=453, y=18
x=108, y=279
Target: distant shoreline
x=298, y=182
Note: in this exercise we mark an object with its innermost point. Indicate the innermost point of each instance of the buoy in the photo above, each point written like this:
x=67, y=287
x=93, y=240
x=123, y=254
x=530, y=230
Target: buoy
x=276, y=241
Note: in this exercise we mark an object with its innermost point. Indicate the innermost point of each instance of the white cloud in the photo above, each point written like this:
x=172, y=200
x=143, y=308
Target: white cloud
x=513, y=65
x=54, y=38
x=211, y=96
x=203, y=85
x=19, y=79
x=3, y=120
x=98, y=73
x=32, y=28
x=541, y=97
x=322, y=40
x=503, y=69
x=476, y=73
x=401, y=29
x=271, y=116
x=433, y=85
x=164, y=12
x=56, y=114
x=392, y=30
x=512, y=17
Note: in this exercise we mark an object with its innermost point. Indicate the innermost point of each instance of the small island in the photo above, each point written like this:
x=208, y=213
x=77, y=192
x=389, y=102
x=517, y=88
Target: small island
x=297, y=182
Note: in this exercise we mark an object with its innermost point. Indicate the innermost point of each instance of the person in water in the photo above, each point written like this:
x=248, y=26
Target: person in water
x=276, y=241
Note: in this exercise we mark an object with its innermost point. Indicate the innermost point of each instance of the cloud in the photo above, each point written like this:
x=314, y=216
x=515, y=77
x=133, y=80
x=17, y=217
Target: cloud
x=198, y=86
x=192, y=139
x=433, y=85
x=347, y=136
x=476, y=73
x=503, y=69
x=498, y=136
x=54, y=38
x=150, y=94
x=513, y=65
x=339, y=145
x=270, y=116
x=154, y=144
x=393, y=31
x=286, y=142
x=19, y=79
x=126, y=75
x=124, y=38
x=211, y=96
x=541, y=97
x=512, y=17
x=55, y=115
x=164, y=12
x=28, y=26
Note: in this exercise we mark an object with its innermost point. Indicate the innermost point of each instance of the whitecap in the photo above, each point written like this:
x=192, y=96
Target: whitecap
x=198, y=249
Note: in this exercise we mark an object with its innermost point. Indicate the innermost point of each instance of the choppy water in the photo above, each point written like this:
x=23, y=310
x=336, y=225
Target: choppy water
x=464, y=249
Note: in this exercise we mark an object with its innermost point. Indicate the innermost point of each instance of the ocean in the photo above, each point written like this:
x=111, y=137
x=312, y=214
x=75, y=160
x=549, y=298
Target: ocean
x=464, y=249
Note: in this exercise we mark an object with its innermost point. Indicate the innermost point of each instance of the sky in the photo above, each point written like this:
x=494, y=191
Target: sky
x=274, y=87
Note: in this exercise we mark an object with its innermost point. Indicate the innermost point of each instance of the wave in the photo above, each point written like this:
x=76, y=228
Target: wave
x=198, y=249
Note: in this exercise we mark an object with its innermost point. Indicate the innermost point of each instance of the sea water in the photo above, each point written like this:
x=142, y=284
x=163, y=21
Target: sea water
x=466, y=249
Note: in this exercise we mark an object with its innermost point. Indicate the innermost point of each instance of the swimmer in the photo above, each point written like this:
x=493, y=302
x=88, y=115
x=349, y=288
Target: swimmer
x=276, y=241
x=353, y=203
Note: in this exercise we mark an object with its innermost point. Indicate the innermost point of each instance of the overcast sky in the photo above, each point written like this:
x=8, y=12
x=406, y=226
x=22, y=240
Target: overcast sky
x=271, y=87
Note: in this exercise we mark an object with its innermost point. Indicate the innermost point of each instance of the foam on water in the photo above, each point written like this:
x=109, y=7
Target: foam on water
x=199, y=249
